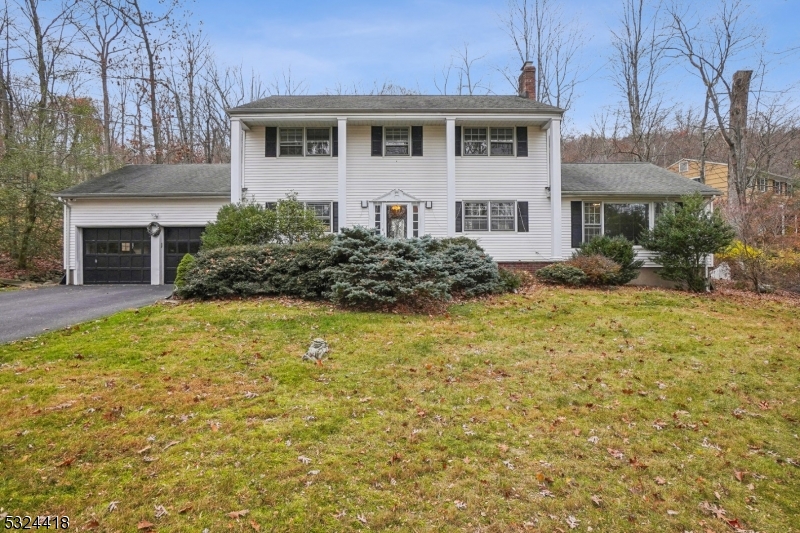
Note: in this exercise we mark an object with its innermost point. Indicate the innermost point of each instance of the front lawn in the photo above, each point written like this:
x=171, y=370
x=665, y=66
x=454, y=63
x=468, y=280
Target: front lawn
x=555, y=410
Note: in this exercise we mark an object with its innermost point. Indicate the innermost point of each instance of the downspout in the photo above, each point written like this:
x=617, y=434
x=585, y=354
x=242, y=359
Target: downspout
x=67, y=233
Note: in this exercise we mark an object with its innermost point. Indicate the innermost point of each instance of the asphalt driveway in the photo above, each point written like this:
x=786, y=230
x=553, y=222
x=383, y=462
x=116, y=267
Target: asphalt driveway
x=26, y=313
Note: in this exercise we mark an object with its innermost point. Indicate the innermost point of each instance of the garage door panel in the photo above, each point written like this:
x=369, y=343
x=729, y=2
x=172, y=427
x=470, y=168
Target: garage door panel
x=179, y=242
x=116, y=255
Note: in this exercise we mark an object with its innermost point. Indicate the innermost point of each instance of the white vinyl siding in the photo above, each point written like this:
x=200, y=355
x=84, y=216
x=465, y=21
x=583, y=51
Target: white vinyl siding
x=522, y=179
x=425, y=178
x=268, y=179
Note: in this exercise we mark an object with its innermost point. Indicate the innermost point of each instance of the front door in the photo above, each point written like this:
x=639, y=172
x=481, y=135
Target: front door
x=397, y=221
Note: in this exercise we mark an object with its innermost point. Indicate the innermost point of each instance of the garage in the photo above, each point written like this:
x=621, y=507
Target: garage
x=116, y=255
x=179, y=242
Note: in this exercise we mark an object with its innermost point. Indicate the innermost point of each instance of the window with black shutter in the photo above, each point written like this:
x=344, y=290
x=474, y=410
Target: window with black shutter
x=377, y=141
x=271, y=142
x=522, y=141
x=577, y=223
x=335, y=142
x=416, y=140
x=459, y=218
x=335, y=217
x=458, y=140
x=522, y=216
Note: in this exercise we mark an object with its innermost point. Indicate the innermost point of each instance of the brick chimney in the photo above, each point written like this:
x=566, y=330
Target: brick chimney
x=527, y=81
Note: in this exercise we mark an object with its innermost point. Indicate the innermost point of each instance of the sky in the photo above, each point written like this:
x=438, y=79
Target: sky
x=359, y=42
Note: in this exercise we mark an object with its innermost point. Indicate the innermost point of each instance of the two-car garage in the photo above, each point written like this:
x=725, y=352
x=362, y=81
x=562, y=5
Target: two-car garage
x=134, y=225
x=123, y=255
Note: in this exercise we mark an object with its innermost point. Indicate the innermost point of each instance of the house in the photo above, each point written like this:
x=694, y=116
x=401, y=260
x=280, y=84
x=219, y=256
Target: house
x=485, y=167
x=716, y=175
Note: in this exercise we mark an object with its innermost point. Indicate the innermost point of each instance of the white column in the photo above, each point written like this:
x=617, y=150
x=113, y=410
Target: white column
x=67, y=243
x=236, y=161
x=555, y=186
x=157, y=259
x=451, y=176
x=342, y=173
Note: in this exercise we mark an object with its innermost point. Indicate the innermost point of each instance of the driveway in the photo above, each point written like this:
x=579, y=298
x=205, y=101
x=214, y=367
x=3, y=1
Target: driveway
x=26, y=313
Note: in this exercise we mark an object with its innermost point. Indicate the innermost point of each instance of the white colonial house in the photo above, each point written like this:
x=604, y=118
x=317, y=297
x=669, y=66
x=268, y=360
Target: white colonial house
x=484, y=167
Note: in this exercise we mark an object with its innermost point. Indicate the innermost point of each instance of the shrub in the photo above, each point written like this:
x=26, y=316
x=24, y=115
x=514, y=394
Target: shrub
x=271, y=270
x=250, y=223
x=373, y=272
x=510, y=281
x=562, y=274
x=599, y=269
x=470, y=271
x=618, y=249
x=186, y=264
x=682, y=239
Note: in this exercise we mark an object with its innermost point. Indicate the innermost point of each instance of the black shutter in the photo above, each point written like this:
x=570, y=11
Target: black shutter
x=335, y=217
x=335, y=150
x=522, y=216
x=577, y=223
x=459, y=225
x=271, y=142
x=377, y=140
x=416, y=140
x=271, y=205
x=522, y=141
x=458, y=140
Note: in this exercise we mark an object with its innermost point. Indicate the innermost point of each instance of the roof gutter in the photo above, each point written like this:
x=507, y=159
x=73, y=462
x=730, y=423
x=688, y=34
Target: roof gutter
x=131, y=196
x=634, y=194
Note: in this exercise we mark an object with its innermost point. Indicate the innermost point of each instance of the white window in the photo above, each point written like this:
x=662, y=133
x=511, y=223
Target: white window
x=488, y=141
x=322, y=212
x=683, y=166
x=475, y=141
x=502, y=141
x=762, y=184
x=502, y=216
x=490, y=216
x=415, y=221
x=318, y=141
x=298, y=142
x=396, y=141
x=378, y=217
x=592, y=220
x=291, y=142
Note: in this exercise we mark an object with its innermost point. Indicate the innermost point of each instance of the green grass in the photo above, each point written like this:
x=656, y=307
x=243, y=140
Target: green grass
x=503, y=415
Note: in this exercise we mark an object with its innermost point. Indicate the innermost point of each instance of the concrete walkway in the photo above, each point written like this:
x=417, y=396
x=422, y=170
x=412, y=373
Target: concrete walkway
x=26, y=313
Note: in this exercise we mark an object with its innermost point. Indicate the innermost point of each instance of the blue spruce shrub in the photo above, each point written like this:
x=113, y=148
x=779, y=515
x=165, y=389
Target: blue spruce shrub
x=471, y=271
x=373, y=272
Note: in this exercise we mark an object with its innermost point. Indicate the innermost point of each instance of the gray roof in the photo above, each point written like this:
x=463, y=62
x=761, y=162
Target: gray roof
x=164, y=181
x=627, y=179
x=394, y=103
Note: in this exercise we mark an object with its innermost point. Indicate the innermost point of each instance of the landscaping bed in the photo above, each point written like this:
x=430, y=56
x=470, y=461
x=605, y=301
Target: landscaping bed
x=625, y=410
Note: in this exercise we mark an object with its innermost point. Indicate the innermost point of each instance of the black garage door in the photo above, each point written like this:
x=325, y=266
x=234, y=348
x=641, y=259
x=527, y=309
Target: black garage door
x=116, y=255
x=179, y=242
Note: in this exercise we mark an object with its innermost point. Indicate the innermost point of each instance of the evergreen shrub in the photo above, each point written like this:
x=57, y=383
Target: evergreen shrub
x=272, y=270
x=562, y=274
x=183, y=267
x=618, y=249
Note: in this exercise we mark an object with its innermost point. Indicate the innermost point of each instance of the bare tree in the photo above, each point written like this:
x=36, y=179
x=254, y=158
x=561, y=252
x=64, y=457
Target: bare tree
x=709, y=46
x=287, y=85
x=101, y=28
x=637, y=65
x=543, y=34
x=463, y=69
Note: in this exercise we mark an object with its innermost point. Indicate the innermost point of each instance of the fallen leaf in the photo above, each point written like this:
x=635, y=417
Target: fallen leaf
x=112, y=507
x=92, y=524
x=460, y=505
x=67, y=462
x=145, y=449
x=160, y=511
x=303, y=459
x=503, y=447
x=572, y=522
x=144, y=524
x=238, y=514
x=616, y=454
x=660, y=481
x=597, y=500
x=738, y=475
x=186, y=509
x=671, y=512
x=361, y=518
x=254, y=525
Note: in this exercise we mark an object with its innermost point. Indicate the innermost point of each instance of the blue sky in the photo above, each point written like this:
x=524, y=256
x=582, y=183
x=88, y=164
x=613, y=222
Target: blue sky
x=407, y=42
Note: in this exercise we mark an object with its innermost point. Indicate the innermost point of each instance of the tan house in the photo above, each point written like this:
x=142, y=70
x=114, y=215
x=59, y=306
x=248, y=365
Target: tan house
x=716, y=175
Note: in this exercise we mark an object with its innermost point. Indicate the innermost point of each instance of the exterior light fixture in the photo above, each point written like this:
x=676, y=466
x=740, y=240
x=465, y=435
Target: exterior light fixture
x=396, y=209
x=428, y=205
x=547, y=191
x=364, y=204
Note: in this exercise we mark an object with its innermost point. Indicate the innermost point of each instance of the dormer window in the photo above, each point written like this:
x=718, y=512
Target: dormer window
x=683, y=166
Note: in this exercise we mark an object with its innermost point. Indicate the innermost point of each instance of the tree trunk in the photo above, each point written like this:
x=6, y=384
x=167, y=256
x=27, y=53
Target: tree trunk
x=737, y=158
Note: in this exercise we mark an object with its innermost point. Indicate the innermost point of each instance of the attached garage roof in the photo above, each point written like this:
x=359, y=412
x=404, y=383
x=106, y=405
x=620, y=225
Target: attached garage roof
x=627, y=179
x=393, y=104
x=163, y=181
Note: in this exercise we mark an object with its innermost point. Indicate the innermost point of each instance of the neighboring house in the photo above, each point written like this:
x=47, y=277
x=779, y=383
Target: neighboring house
x=716, y=175
x=485, y=167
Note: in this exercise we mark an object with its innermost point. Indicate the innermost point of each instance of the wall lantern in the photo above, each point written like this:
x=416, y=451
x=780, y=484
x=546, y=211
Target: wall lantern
x=547, y=191
x=428, y=205
x=364, y=204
